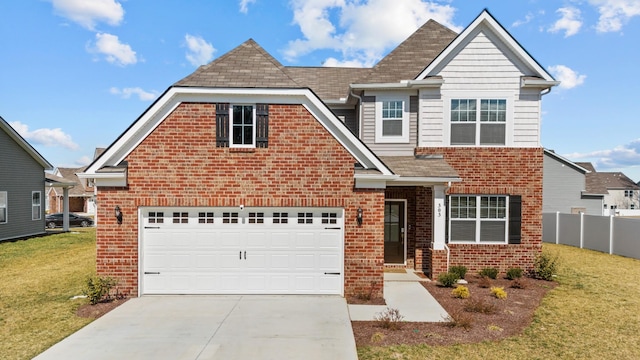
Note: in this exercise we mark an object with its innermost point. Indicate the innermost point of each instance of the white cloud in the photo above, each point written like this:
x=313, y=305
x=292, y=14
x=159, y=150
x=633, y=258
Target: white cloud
x=361, y=31
x=333, y=62
x=244, y=5
x=44, y=136
x=199, y=51
x=88, y=13
x=83, y=161
x=615, y=13
x=126, y=93
x=527, y=19
x=115, y=52
x=570, y=21
x=568, y=77
x=619, y=157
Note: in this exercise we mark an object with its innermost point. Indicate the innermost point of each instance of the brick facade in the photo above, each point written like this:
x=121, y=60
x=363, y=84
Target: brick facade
x=495, y=171
x=179, y=165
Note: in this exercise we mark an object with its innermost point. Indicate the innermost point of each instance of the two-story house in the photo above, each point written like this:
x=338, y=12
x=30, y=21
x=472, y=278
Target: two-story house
x=252, y=177
x=620, y=192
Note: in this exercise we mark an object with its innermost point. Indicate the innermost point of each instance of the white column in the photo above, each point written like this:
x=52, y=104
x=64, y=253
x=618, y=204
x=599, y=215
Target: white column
x=65, y=208
x=439, y=217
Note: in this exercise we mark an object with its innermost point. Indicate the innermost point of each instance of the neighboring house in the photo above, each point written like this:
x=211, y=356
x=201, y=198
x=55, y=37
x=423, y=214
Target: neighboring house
x=621, y=192
x=565, y=188
x=22, y=184
x=81, y=197
x=248, y=176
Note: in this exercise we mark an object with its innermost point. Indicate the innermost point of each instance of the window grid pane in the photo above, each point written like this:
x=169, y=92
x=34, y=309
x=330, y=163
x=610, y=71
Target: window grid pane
x=242, y=125
x=280, y=218
x=205, y=218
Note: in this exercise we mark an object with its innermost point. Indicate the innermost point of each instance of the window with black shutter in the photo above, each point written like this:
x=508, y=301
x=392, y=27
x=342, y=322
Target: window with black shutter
x=243, y=126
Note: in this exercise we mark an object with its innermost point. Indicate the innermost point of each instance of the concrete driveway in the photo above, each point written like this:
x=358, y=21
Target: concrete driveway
x=216, y=327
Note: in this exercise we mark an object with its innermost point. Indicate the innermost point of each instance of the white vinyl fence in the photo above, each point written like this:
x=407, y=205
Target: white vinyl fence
x=610, y=234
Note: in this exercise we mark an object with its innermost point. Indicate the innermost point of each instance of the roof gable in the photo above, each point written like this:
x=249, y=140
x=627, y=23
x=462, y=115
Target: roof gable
x=246, y=66
x=487, y=23
x=24, y=144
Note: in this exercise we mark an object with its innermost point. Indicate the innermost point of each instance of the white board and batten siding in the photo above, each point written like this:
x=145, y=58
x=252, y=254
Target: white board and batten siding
x=482, y=67
x=249, y=251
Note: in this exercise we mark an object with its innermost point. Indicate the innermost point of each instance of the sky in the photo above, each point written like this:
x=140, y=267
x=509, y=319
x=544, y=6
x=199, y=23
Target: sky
x=74, y=74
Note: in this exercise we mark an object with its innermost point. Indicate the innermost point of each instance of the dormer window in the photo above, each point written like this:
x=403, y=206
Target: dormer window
x=478, y=121
x=392, y=119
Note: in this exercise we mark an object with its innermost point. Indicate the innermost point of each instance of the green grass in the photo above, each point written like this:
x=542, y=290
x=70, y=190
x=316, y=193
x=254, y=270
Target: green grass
x=37, y=279
x=594, y=313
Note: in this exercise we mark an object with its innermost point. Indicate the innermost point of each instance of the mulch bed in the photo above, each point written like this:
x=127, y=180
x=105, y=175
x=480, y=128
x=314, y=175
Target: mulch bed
x=99, y=309
x=511, y=316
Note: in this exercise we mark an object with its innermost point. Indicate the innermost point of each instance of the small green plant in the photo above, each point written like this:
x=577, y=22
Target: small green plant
x=459, y=318
x=97, y=288
x=390, y=319
x=489, y=272
x=499, y=292
x=514, y=273
x=461, y=292
x=459, y=270
x=448, y=279
x=479, y=306
x=544, y=267
x=495, y=328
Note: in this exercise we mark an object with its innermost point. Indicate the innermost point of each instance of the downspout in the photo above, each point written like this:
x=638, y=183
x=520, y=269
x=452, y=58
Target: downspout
x=359, y=112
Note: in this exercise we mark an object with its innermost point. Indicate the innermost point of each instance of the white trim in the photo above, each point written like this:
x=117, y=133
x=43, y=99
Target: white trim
x=492, y=24
x=404, y=84
x=404, y=230
x=173, y=97
x=5, y=207
x=39, y=205
x=253, y=127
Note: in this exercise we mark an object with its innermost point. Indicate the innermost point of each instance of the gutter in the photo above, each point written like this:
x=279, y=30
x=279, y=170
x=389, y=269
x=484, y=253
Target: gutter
x=404, y=84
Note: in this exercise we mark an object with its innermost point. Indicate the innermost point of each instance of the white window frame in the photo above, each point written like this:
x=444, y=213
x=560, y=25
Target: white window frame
x=379, y=137
x=38, y=205
x=4, y=206
x=478, y=220
x=478, y=97
x=254, y=123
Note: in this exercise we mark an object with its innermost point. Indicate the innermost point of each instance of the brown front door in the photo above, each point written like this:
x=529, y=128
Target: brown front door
x=394, y=232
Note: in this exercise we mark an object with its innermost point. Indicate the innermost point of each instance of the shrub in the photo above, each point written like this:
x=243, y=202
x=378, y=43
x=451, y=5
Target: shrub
x=390, y=319
x=489, y=272
x=479, y=306
x=97, y=288
x=459, y=318
x=514, y=273
x=448, y=279
x=484, y=282
x=377, y=337
x=519, y=283
x=461, y=292
x=499, y=292
x=544, y=267
x=459, y=270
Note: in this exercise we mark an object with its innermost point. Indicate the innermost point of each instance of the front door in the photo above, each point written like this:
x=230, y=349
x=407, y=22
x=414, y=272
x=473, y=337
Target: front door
x=394, y=232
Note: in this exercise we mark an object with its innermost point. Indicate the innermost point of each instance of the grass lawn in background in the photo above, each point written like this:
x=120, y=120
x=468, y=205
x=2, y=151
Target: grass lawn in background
x=39, y=278
x=594, y=313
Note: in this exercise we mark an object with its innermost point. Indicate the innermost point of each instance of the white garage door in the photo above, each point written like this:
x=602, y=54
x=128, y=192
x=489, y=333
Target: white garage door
x=248, y=251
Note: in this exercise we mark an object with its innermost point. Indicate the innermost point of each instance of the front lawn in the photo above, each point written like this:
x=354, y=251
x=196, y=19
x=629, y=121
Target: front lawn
x=594, y=313
x=39, y=277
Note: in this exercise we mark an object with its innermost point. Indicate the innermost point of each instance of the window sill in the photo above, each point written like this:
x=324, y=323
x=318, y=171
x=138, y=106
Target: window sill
x=242, y=150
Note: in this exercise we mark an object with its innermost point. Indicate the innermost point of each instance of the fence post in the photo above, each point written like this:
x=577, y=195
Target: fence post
x=557, y=226
x=581, y=230
x=610, y=234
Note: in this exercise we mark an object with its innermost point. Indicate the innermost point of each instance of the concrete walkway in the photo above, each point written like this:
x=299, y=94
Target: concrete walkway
x=404, y=292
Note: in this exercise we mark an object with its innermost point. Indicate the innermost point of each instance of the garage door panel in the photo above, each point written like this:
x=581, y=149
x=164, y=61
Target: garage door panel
x=242, y=257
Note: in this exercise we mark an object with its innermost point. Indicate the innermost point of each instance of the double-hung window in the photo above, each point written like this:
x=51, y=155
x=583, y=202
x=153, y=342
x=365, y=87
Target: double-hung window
x=392, y=119
x=478, y=121
x=243, y=129
x=478, y=218
x=3, y=207
x=36, y=206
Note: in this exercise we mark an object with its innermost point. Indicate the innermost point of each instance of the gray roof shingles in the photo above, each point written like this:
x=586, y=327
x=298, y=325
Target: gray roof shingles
x=411, y=166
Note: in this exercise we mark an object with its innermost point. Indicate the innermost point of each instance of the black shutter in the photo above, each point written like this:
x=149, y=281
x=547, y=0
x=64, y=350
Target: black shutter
x=222, y=125
x=515, y=219
x=262, y=125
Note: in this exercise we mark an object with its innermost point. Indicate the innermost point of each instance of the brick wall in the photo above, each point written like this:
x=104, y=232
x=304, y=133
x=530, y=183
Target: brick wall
x=179, y=165
x=496, y=171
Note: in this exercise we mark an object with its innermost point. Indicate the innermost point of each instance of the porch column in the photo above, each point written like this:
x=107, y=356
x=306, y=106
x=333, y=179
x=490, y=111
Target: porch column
x=65, y=208
x=439, y=217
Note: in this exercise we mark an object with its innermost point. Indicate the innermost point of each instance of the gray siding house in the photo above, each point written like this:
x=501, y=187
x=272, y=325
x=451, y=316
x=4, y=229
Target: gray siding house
x=22, y=186
x=565, y=187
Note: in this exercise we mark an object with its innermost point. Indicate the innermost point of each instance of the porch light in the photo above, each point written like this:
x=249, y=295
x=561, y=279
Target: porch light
x=359, y=216
x=118, y=214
